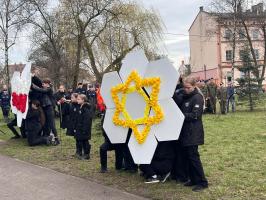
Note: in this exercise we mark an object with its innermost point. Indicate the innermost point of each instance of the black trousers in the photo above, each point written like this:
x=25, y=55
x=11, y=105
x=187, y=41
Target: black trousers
x=196, y=173
x=5, y=111
x=49, y=125
x=83, y=146
x=11, y=125
x=34, y=137
x=129, y=162
x=108, y=146
x=180, y=169
x=157, y=167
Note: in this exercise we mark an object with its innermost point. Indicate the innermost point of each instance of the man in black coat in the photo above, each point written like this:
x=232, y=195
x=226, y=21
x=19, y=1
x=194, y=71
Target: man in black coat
x=192, y=134
x=82, y=129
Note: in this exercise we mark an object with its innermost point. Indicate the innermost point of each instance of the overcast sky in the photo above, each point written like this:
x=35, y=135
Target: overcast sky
x=177, y=16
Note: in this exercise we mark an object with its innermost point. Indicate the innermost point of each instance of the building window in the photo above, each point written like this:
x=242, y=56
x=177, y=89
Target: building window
x=241, y=54
x=228, y=34
x=255, y=34
x=229, y=55
x=257, y=54
x=242, y=34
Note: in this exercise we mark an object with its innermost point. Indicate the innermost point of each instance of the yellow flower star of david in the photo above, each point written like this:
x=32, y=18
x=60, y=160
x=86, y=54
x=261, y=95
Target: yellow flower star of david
x=151, y=103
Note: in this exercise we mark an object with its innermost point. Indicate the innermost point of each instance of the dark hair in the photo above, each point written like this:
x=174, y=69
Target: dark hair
x=36, y=103
x=75, y=95
x=80, y=83
x=47, y=80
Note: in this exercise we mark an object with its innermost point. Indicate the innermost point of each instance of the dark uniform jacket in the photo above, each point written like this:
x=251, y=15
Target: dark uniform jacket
x=33, y=120
x=71, y=111
x=82, y=126
x=5, y=99
x=47, y=97
x=192, y=131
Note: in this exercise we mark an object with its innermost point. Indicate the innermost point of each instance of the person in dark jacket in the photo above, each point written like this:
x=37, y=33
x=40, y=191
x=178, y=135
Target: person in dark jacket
x=35, y=95
x=91, y=96
x=48, y=104
x=71, y=110
x=230, y=97
x=161, y=165
x=82, y=128
x=108, y=146
x=212, y=94
x=80, y=89
x=33, y=126
x=5, y=102
x=192, y=134
x=61, y=101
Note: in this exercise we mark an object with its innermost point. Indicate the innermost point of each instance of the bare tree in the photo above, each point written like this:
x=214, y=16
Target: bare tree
x=12, y=19
x=244, y=16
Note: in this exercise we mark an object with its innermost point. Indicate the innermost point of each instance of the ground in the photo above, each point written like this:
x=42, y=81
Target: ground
x=234, y=159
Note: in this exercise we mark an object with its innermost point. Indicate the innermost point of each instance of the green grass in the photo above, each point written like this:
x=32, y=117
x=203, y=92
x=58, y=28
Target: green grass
x=234, y=159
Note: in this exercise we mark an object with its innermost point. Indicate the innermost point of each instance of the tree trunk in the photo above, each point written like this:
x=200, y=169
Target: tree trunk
x=78, y=58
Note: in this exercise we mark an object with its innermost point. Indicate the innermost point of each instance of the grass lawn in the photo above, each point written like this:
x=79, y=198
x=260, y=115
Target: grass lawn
x=234, y=159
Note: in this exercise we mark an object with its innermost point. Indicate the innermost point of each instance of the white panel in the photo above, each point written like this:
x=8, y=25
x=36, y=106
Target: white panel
x=116, y=134
x=136, y=60
x=109, y=80
x=142, y=153
x=169, y=77
x=170, y=128
x=135, y=105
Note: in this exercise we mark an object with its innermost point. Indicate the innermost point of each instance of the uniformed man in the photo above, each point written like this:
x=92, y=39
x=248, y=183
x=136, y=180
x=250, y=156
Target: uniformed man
x=212, y=94
x=221, y=95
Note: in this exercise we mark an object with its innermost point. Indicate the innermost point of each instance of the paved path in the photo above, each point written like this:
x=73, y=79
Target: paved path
x=23, y=181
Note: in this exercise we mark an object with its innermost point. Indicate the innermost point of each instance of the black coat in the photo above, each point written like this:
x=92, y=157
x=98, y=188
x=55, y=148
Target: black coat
x=47, y=97
x=62, y=108
x=33, y=120
x=5, y=99
x=192, y=131
x=179, y=94
x=82, y=126
x=71, y=112
x=33, y=94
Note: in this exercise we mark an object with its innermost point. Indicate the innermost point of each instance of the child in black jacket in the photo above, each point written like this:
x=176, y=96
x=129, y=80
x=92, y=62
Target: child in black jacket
x=71, y=112
x=82, y=128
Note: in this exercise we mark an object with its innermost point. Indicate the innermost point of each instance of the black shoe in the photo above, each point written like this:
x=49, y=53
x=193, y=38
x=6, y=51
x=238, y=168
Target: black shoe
x=189, y=184
x=198, y=188
x=165, y=177
x=86, y=157
x=152, y=180
x=56, y=141
x=80, y=157
x=15, y=137
x=103, y=170
x=49, y=140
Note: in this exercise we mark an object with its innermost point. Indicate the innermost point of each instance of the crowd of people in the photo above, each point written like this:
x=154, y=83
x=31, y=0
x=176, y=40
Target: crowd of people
x=213, y=92
x=76, y=108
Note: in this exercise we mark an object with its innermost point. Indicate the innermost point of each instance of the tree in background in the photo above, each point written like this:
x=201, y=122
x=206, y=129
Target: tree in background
x=12, y=19
x=248, y=84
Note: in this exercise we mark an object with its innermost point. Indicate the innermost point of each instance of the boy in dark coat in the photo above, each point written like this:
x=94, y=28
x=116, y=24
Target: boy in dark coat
x=33, y=125
x=82, y=128
x=192, y=134
x=71, y=110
